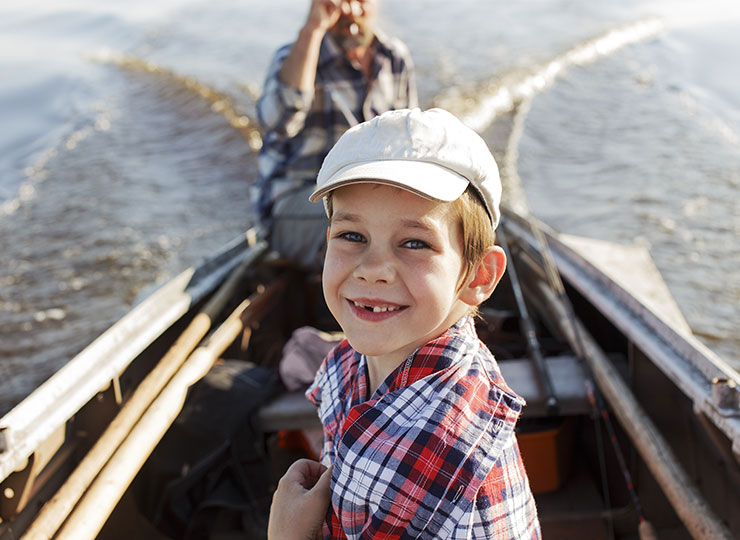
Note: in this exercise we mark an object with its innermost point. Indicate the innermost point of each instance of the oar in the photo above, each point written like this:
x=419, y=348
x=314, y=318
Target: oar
x=56, y=510
x=685, y=498
x=553, y=278
x=88, y=518
x=544, y=380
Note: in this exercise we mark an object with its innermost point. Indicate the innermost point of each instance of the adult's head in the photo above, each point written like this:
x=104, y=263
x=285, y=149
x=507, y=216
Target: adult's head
x=355, y=27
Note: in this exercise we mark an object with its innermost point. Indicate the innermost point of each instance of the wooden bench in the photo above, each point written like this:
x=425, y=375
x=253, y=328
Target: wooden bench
x=292, y=410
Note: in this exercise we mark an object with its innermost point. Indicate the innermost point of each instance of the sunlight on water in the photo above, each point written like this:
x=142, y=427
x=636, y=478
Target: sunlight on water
x=220, y=102
x=129, y=141
x=510, y=93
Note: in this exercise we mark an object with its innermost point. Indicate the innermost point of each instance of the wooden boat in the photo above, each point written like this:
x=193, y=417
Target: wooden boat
x=632, y=426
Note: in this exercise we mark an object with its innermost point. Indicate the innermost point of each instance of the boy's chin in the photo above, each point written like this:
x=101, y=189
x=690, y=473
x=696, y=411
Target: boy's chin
x=372, y=350
x=368, y=349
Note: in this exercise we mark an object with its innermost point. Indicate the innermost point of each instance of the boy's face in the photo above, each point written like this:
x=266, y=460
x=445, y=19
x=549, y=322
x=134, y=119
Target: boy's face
x=393, y=268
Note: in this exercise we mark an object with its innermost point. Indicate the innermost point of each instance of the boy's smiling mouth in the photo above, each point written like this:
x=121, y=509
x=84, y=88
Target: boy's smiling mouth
x=377, y=309
x=374, y=306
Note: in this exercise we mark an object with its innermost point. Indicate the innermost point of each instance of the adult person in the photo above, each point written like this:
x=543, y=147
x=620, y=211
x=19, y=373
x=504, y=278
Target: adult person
x=340, y=71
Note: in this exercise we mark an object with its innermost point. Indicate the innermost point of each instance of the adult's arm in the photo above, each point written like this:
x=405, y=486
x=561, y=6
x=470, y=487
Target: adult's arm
x=299, y=68
x=289, y=87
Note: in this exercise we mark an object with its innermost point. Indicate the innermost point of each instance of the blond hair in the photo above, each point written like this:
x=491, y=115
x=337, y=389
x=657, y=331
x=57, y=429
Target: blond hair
x=477, y=231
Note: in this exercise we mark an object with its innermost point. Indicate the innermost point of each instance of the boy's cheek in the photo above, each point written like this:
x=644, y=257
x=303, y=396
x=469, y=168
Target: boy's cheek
x=330, y=276
x=339, y=255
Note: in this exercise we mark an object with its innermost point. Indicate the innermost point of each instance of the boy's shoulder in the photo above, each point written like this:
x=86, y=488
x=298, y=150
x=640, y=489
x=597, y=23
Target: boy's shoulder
x=458, y=357
x=474, y=354
x=485, y=361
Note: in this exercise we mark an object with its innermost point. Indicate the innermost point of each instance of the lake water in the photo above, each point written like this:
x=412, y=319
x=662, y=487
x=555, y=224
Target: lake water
x=127, y=136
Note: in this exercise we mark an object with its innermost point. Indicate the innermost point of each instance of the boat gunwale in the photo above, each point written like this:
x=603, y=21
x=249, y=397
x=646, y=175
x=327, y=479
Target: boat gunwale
x=49, y=407
x=682, y=358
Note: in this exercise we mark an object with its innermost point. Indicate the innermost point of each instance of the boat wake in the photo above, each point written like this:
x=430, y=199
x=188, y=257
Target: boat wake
x=512, y=95
x=500, y=95
x=34, y=175
x=220, y=102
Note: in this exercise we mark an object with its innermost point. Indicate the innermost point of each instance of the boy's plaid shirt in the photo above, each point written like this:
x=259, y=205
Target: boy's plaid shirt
x=432, y=454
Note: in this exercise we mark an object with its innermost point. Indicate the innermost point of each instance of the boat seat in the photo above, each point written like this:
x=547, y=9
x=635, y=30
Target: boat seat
x=291, y=410
x=568, y=381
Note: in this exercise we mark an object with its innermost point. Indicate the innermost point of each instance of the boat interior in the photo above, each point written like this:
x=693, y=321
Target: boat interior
x=213, y=473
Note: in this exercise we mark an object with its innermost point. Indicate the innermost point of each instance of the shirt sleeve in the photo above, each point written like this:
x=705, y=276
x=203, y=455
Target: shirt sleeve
x=410, y=81
x=325, y=392
x=282, y=109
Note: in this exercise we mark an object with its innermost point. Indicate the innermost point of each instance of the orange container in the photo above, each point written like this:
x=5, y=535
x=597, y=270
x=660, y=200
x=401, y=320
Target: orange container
x=547, y=453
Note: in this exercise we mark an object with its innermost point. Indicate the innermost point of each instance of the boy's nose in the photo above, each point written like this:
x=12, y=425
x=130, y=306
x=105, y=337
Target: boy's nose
x=374, y=266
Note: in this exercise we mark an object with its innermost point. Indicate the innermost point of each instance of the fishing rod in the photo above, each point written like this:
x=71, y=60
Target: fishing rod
x=599, y=411
x=533, y=345
x=554, y=280
x=678, y=487
x=595, y=399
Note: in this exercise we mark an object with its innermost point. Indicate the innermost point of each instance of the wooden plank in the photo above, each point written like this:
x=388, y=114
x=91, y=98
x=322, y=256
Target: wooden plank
x=51, y=405
x=633, y=268
x=88, y=518
x=568, y=383
x=292, y=410
x=56, y=510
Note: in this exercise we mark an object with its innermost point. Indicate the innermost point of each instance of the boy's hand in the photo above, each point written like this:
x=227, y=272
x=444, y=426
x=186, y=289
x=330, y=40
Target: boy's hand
x=300, y=502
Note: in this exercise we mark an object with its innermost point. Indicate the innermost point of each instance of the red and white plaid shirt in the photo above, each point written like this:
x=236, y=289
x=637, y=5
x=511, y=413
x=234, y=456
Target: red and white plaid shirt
x=432, y=453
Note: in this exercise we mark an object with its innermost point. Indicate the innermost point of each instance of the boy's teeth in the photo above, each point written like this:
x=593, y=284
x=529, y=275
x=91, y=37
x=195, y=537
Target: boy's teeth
x=376, y=309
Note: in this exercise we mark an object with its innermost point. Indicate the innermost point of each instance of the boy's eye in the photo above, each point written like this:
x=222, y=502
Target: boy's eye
x=415, y=244
x=351, y=236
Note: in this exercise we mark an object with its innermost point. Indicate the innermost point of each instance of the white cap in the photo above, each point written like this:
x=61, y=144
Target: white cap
x=429, y=153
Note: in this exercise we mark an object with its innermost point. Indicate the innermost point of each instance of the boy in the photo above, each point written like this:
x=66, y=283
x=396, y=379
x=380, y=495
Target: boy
x=418, y=423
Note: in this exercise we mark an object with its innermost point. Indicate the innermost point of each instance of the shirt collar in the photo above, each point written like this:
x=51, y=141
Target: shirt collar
x=438, y=354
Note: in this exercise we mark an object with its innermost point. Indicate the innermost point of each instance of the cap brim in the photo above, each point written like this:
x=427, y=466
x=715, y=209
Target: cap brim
x=425, y=179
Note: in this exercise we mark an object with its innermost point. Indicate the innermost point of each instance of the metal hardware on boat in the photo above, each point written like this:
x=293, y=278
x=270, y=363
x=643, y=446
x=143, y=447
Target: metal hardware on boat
x=725, y=393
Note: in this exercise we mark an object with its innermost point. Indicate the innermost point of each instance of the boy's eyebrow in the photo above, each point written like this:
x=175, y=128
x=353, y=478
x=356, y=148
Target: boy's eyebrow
x=407, y=223
x=424, y=225
x=345, y=216
x=418, y=224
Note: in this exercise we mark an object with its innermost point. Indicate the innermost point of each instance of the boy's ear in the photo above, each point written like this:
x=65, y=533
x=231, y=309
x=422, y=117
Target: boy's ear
x=484, y=279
